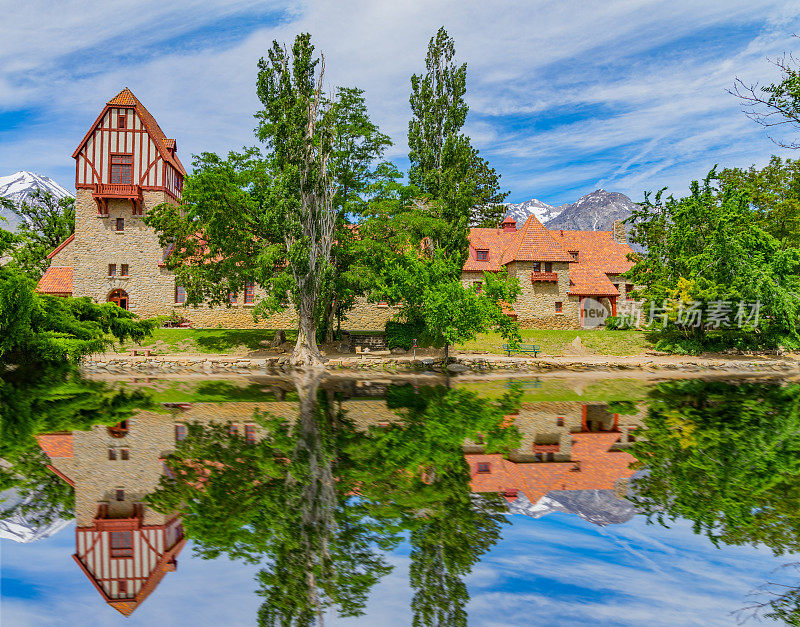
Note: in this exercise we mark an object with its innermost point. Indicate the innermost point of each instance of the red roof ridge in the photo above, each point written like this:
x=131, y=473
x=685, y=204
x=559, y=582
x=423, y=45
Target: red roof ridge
x=60, y=247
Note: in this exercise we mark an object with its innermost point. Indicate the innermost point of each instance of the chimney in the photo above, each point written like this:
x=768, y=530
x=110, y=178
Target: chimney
x=509, y=225
x=618, y=232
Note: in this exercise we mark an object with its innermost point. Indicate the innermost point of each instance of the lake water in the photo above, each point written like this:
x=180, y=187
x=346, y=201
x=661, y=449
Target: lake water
x=551, y=501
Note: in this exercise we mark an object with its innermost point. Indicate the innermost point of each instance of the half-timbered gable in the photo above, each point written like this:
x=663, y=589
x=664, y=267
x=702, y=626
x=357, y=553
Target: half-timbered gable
x=124, y=153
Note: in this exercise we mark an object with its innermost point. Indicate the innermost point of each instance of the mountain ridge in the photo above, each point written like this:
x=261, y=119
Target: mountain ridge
x=19, y=186
x=596, y=211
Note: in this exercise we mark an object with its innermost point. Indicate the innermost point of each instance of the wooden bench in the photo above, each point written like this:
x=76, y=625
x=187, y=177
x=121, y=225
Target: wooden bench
x=141, y=351
x=525, y=349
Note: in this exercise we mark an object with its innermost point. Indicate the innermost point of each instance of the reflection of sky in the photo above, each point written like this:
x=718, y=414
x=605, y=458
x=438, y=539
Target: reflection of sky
x=558, y=570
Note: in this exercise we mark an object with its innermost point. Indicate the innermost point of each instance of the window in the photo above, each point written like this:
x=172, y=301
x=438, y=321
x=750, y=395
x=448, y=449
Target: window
x=119, y=430
x=548, y=266
x=484, y=468
x=120, y=224
x=560, y=421
x=180, y=432
x=124, y=455
x=478, y=286
x=121, y=542
x=180, y=294
x=120, y=494
x=628, y=290
x=122, y=587
x=249, y=291
x=537, y=266
x=233, y=429
x=112, y=269
x=574, y=254
x=122, y=121
x=383, y=304
x=482, y=255
x=123, y=270
x=250, y=433
x=559, y=306
x=121, y=169
x=112, y=454
x=233, y=297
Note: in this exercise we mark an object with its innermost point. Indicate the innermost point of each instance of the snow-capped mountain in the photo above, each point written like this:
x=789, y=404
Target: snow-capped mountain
x=16, y=527
x=18, y=187
x=541, y=210
x=599, y=507
x=593, y=212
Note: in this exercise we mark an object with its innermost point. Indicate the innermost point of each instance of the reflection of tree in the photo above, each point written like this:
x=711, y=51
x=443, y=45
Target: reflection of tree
x=317, y=500
x=415, y=472
x=44, y=400
x=287, y=498
x=727, y=457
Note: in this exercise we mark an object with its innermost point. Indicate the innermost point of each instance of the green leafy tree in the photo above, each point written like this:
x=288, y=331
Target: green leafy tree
x=774, y=192
x=46, y=222
x=38, y=327
x=357, y=144
x=444, y=165
x=280, y=219
x=709, y=247
x=440, y=308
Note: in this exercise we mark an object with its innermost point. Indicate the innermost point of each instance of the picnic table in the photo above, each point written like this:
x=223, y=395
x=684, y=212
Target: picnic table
x=525, y=349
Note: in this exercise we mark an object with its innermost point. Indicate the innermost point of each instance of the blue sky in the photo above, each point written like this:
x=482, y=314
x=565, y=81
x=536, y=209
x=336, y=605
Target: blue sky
x=559, y=569
x=565, y=97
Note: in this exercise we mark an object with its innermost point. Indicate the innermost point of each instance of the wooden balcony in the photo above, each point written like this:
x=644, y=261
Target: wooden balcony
x=103, y=192
x=544, y=277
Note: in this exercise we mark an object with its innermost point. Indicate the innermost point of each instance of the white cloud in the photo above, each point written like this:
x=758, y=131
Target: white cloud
x=639, y=84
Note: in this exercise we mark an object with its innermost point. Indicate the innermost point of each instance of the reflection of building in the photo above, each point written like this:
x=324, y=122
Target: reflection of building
x=565, y=446
x=125, y=548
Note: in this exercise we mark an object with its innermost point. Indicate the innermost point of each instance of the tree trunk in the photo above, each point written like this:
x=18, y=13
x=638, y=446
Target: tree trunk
x=446, y=354
x=306, y=352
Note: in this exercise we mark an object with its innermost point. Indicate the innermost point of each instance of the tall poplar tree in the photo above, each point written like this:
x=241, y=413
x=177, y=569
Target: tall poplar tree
x=444, y=165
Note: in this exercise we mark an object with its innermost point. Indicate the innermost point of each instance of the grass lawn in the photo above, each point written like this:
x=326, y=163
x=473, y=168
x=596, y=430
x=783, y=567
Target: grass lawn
x=193, y=341
x=548, y=389
x=557, y=341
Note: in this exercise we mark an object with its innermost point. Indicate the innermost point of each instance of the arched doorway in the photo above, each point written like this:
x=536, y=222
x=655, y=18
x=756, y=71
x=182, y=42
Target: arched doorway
x=119, y=297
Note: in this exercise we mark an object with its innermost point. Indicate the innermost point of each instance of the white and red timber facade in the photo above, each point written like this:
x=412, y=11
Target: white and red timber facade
x=126, y=165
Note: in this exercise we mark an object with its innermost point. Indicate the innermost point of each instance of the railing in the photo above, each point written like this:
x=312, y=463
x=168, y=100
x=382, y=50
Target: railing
x=550, y=277
x=110, y=190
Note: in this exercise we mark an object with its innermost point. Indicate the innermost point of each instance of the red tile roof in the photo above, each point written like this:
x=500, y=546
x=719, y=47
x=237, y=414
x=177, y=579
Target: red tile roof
x=593, y=467
x=56, y=444
x=61, y=246
x=56, y=280
x=599, y=255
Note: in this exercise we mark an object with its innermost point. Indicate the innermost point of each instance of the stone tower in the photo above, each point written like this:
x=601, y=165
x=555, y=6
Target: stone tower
x=124, y=166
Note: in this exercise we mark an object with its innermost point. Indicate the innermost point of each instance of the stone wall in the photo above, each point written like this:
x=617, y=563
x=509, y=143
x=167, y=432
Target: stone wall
x=536, y=304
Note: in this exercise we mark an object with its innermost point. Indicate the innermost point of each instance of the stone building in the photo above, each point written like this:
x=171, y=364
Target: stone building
x=125, y=165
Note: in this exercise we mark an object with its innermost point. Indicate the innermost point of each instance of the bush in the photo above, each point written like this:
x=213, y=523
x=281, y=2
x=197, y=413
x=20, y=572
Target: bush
x=618, y=323
x=402, y=335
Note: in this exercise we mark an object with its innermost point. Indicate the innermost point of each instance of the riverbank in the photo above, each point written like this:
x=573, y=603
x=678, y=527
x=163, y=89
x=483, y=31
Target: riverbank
x=463, y=363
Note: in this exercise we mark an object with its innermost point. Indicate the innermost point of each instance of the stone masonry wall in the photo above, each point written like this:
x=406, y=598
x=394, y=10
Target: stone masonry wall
x=536, y=304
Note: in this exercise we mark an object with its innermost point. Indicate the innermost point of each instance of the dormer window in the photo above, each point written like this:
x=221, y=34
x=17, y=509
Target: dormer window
x=482, y=255
x=122, y=121
x=574, y=254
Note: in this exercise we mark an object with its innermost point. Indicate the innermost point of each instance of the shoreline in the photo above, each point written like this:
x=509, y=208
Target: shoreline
x=464, y=364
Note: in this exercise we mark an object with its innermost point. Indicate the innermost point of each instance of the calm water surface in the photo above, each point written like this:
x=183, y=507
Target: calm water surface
x=560, y=501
